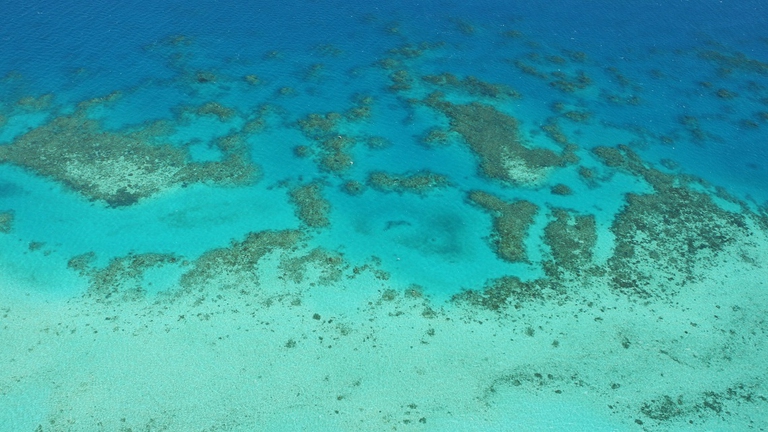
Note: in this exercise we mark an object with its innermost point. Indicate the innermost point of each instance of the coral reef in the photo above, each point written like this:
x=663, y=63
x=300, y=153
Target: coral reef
x=419, y=182
x=118, y=168
x=511, y=222
x=122, y=278
x=498, y=294
x=472, y=86
x=311, y=207
x=6, y=221
x=240, y=259
x=660, y=237
x=561, y=189
x=571, y=239
x=495, y=138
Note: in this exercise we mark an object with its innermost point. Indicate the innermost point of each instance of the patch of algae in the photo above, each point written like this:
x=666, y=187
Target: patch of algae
x=118, y=168
x=511, y=222
x=495, y=138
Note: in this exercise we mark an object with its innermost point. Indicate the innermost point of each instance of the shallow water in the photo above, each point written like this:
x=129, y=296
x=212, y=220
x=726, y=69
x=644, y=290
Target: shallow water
x=321, y=215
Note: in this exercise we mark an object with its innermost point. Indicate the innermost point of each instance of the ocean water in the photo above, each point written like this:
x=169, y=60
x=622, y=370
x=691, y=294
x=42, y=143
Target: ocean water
x=433, y=215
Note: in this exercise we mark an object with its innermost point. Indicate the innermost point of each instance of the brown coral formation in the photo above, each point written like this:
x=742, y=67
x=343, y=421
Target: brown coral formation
x=472, y=85
x=662, y=236
x=123, y=276
x=117, y=168
x=419, y=182
x=334, y=147
x=311, y=207
x=572, y=239
x=6, y=222
x=511, y=222
x=240, y=259
x=495, y=138
x=498, y=294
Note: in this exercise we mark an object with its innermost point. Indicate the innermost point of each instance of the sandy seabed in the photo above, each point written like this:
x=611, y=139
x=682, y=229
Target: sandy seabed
x=354, y=356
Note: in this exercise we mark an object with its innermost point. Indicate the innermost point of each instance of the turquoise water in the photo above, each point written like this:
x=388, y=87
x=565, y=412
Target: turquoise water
x=322, y=215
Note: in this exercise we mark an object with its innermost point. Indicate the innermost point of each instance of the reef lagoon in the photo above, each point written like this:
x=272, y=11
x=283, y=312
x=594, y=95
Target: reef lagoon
x=326, y=215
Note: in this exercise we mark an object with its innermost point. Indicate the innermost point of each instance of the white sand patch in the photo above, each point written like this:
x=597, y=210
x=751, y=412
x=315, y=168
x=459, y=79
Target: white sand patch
x=519, y=173
x=110, y=176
